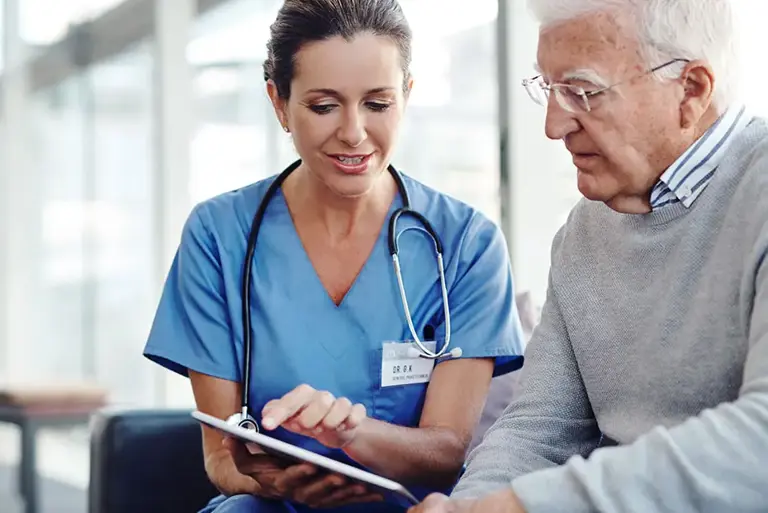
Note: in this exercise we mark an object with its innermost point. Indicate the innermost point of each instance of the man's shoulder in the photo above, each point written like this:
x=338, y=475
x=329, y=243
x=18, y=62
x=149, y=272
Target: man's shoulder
x=748, y=162
x=754, y=154
x=749, y=152
x=587, y=220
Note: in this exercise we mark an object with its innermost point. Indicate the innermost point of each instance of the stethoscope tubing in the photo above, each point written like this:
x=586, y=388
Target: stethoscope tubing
x=393, y=250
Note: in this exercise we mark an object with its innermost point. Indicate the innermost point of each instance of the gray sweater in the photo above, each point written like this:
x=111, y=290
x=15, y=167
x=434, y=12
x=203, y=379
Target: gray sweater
x=645, y=386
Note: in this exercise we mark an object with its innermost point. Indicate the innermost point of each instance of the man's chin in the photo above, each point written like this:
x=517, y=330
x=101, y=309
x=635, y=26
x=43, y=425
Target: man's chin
x=589, y=186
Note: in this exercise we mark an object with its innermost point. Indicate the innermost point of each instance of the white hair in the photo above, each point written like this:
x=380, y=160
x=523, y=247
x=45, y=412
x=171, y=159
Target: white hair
x=668, y=29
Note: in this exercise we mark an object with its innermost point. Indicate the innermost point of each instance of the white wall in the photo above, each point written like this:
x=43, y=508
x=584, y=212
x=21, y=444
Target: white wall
x=750, y=21
x=543, y=177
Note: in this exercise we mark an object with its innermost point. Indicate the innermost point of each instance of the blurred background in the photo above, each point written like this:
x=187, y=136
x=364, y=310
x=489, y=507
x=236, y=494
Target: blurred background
x=116, y=117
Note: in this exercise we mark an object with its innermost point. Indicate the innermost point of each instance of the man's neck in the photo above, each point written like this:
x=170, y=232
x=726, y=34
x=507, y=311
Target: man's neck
x=631, y=204
x=641, y=203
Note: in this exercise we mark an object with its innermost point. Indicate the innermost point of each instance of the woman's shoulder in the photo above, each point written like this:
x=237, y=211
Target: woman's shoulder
x=233, y=201
x=225, y=218
x=235, y=204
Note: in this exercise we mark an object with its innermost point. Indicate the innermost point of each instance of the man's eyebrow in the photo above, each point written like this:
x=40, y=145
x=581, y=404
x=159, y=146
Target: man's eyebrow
x=586, y=75
x=580, y=74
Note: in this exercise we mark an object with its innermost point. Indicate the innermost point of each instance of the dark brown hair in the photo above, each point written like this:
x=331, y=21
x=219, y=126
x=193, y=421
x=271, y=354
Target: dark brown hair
x=302, y=21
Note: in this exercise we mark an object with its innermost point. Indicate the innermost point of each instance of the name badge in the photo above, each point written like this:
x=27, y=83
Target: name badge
x=398, y=368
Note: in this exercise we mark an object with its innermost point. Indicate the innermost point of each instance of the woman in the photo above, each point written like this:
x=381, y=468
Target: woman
x=325, y=299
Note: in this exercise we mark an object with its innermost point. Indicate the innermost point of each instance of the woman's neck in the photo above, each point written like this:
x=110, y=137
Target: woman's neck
x=315, y=205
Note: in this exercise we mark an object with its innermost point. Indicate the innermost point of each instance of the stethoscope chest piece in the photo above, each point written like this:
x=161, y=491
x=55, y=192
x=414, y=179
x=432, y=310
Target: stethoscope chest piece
x=249, y=423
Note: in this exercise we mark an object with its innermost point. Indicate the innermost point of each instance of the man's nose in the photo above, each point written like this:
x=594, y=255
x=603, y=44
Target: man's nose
x=559, y=121
x=352, y=130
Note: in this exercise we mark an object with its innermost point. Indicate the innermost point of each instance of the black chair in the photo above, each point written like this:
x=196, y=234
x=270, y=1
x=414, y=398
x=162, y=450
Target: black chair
x=147, y=460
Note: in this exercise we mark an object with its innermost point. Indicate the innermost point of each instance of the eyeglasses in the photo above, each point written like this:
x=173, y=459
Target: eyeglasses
x=574, y=98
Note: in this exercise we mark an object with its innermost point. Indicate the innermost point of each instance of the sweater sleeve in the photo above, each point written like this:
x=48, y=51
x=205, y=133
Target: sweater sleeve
x=710, y=463
x=549, y=421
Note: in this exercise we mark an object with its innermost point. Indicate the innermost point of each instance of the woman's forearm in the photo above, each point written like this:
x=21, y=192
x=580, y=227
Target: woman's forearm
x=222, y=472
x=431, y=456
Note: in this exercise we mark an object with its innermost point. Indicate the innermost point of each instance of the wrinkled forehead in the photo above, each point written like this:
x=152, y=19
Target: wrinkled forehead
x=603, y=42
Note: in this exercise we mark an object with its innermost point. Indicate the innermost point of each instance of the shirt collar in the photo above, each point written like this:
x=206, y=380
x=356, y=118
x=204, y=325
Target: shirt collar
x=690, y=174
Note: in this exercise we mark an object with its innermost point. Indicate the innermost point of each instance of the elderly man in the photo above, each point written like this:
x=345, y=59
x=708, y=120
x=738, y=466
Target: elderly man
x=645, y=386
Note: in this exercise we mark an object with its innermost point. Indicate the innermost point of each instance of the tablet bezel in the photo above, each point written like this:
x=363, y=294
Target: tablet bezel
x=292, y=451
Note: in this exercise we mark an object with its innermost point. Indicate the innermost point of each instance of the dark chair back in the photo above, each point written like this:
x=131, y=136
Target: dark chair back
x=147, y=460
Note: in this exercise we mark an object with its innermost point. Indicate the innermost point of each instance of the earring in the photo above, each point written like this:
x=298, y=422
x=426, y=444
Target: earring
x=285, y=129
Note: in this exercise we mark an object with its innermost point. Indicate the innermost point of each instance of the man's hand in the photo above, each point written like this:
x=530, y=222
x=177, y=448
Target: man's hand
x=301, y=483
x=503, y=501
x=331, y=421
x=439, y=503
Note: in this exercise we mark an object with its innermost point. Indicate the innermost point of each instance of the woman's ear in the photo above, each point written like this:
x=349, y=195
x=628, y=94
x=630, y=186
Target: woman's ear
x=279, y=104
x=698, y=82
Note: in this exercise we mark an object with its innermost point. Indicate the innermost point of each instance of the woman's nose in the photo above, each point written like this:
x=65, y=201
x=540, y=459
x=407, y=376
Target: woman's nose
x=352, y=130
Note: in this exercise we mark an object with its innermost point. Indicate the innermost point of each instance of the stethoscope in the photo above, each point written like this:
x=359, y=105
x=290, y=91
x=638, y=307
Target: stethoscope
x=243, y=419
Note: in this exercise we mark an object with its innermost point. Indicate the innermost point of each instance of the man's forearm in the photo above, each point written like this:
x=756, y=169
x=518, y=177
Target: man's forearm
x=549, y=420
x=423, y=456
x=711, y=463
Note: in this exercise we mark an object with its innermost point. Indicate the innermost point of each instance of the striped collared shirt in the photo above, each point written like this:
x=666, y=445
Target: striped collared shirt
x=690, y=174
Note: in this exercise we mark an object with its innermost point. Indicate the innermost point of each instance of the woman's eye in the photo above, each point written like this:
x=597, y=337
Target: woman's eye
x=378, y=106
x=321, y=109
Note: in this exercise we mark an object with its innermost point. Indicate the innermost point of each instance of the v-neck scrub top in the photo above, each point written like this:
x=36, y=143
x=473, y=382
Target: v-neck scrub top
x=301, y=336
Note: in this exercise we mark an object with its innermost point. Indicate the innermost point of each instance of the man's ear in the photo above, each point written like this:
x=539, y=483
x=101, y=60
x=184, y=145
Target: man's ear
x=698, y=82
x=279, y=104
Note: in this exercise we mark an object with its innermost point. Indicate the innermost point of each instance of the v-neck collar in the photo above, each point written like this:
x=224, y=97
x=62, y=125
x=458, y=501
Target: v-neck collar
x=378, y=254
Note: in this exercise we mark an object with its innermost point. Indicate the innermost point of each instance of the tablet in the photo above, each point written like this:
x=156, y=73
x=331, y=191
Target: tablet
x=380, y=484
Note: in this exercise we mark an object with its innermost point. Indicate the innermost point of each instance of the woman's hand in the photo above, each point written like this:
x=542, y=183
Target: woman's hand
x=332, y=422
x=300, y=483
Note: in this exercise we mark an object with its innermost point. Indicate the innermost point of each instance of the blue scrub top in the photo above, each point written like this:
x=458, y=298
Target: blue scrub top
x=301, y=336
